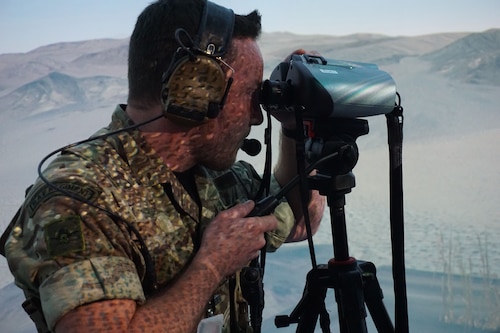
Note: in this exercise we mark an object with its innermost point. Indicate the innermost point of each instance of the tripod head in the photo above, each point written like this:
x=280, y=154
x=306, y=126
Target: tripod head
x=333, y=137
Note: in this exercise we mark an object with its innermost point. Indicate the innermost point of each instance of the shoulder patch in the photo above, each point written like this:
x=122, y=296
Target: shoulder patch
x=64, y=236
x=44, y=193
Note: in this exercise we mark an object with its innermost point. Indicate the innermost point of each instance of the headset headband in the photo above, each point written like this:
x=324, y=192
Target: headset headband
x=216, y=29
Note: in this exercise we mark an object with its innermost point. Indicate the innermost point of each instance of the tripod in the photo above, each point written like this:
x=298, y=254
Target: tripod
x=355, y=282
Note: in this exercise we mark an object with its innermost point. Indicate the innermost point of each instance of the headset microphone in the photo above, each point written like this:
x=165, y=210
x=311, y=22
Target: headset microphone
x=251, y=146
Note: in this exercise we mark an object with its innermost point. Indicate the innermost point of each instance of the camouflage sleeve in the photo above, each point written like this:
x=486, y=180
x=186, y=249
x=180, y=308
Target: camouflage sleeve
x=60, y=254
x=286, y=221
x=283, y=212
x=88, y=281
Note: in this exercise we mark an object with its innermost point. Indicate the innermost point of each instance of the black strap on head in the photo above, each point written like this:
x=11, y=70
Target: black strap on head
x=216, y=29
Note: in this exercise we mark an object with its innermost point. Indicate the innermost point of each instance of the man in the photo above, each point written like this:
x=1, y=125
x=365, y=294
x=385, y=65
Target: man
x=144, y=230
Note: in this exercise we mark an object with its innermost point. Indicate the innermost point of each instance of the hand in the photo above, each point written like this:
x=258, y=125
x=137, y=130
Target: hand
x=232, y=240
x=300, y=52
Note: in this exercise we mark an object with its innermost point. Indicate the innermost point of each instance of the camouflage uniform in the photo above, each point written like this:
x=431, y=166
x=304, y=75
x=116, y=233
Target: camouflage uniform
x=67, y=252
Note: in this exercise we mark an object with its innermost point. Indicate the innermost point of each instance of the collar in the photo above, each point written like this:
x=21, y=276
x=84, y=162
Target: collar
x=140, y=156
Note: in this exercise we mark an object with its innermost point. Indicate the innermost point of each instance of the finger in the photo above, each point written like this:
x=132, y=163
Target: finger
x=240, y=210
x=261, y=224
x=298, y=51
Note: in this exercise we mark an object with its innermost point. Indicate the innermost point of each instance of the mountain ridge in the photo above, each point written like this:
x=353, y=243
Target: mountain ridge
x=479, y=59
x=71, y=76
x=17, y=69
x=57, y=91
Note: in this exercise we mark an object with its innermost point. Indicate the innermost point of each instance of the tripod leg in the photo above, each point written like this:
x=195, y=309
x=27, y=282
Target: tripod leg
x=312, y=304
x=315, y=308
x=373, y=298
x=350, y=300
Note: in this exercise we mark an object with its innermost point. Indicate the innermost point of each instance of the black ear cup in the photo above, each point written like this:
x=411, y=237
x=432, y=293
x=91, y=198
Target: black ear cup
x=195, y=86
x=194, y=90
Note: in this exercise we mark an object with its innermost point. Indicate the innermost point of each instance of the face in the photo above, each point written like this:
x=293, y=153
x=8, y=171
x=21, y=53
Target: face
x=223, y=135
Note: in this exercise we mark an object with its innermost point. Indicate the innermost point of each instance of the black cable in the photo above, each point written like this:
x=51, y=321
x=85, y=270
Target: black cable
x=150, y=277
x=266, y=177
x=303, y=189
x=255, y=287
x=71, y=145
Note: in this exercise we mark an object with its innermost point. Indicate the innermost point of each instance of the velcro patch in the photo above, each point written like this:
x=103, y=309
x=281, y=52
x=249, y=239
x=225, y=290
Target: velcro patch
x=64, y=236
x=46, y=192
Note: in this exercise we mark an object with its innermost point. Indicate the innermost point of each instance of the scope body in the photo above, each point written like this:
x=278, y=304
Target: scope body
x=328, y=88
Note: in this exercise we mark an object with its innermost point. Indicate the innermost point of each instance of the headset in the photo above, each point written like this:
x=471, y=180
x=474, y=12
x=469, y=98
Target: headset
x=195, y=86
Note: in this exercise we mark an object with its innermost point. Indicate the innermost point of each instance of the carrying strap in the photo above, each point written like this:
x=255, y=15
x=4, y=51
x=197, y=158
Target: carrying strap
x=395, y=142
x=7, y=232
x=33, y=308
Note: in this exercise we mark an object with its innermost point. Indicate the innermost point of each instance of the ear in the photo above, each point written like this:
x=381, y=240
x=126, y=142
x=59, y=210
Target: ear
x=195, y=90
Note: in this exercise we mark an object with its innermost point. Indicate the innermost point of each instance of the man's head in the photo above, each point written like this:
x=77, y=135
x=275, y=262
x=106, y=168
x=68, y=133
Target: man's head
x=153, y=43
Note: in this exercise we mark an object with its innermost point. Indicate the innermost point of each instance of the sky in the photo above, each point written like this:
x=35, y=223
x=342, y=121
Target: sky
x=27, y=24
